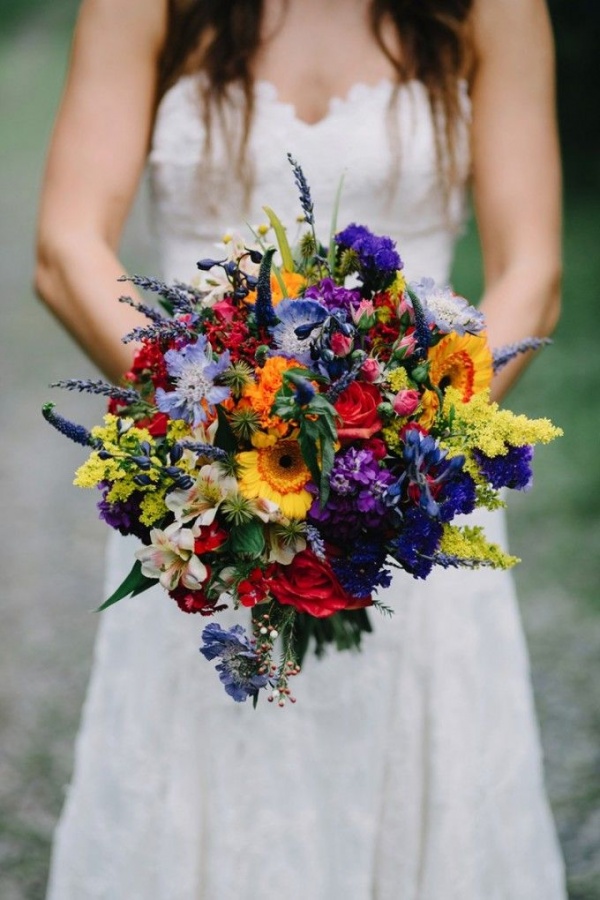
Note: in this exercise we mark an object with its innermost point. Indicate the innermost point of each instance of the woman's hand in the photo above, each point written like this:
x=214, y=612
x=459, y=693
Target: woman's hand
x=516, y=173
x=95, y=161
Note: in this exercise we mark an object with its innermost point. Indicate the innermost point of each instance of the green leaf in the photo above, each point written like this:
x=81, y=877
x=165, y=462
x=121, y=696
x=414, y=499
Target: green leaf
x=248, y=539
x=284, y=247
x=333, y=228
x=135, y=583
x=225, y=438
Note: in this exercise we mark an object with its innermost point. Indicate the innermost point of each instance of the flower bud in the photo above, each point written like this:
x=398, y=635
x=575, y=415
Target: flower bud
x=405, y=402
x=370, y=370
x=341, y=344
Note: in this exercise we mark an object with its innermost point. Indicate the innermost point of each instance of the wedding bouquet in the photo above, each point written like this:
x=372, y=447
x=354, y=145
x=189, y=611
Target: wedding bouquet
x=291, y=429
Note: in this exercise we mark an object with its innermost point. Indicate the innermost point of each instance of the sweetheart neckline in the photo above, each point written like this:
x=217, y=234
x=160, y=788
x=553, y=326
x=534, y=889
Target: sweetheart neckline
x=269, y=91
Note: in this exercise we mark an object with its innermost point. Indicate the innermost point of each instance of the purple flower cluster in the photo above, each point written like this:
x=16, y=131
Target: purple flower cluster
x=513, y=470
x=362, y=571
x=415, y=546
x=238, y=669
x=356, y=500
x=457, y=497
x=335, y=298
x=123, y=515
x=378, y=258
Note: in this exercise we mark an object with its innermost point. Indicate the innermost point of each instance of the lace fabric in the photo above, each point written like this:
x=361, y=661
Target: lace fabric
x=409, y=772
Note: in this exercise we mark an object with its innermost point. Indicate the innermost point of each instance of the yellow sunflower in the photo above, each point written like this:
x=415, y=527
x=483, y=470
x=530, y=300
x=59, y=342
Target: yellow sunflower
x=463, y=362
x=277, y=473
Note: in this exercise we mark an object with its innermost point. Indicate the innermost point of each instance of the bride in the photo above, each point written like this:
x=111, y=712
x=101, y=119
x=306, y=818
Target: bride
x=412, y=772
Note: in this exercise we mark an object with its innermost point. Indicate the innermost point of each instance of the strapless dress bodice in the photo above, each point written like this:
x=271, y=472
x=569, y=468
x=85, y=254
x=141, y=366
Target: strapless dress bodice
x=384, y=146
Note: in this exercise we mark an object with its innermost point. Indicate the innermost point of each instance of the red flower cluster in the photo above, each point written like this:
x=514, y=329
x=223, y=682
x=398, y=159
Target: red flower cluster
x=256, y=587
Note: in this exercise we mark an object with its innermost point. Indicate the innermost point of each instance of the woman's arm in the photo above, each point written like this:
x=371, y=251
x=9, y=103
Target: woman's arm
x=516, y=172
x=96, y=158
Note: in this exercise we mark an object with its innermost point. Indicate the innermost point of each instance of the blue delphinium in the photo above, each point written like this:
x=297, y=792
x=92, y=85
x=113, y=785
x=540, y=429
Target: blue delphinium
x=299, y=324
x=378, y=258
x=426, y=469
x=512, y=470
x=194, y=370
x=238, y=669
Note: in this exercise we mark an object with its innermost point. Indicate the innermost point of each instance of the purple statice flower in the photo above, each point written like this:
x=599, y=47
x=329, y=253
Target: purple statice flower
x=362, y=571
x=337, y=299
x=299, y=325
x=446, y=310
x=356, y=499
x=378, y=258
x=426, y=469
x=415, y=546
x=457, y=497
x=513, y=470
x=194, y=370
x=123, y=515
x=238, y=669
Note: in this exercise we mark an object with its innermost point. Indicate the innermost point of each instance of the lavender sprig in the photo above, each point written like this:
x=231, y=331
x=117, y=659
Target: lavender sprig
x=303, y=188
x=149, y=311
x=177, y=296
x=315, y=541
x=449, y=561
x=207, y=450
x=74, y=432
x=422, y=334
x=123, y=395
x=503, y=355
x=343, y=382
x=166, y=330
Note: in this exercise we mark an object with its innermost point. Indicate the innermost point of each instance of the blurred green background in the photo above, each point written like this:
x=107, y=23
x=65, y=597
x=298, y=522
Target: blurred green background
x=45, y=650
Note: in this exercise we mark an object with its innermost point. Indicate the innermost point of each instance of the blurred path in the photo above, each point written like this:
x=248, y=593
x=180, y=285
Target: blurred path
x=52, y=545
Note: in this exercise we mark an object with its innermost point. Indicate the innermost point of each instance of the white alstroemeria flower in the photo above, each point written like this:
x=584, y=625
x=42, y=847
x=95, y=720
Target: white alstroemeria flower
x=267, y=510
x=203, y=499
x=170, y=558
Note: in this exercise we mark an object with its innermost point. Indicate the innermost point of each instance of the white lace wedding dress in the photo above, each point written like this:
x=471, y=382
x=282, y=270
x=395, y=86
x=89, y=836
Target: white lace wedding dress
x=410, y=772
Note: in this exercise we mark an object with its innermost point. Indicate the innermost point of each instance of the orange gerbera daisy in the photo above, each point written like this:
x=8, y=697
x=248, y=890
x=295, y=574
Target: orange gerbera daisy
x=463, y=362
x=293, y=281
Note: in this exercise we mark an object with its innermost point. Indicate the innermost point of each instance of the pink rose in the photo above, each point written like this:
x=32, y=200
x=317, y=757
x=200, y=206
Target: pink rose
x=370, y=370
x=341, y=344
x=405, y=402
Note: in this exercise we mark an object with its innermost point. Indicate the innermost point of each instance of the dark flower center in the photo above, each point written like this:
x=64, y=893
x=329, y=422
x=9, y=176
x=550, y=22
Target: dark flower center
x=286, y=461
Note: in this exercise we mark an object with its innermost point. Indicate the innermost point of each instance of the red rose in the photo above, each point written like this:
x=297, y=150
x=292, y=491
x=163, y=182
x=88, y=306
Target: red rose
x=357, y=406
x=310, y=585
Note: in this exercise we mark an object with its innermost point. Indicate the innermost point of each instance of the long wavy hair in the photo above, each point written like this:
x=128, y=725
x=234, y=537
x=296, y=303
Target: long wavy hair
x=220, y=38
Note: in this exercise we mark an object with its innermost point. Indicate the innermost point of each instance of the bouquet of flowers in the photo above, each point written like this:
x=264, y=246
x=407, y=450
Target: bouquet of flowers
x=291, y=429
